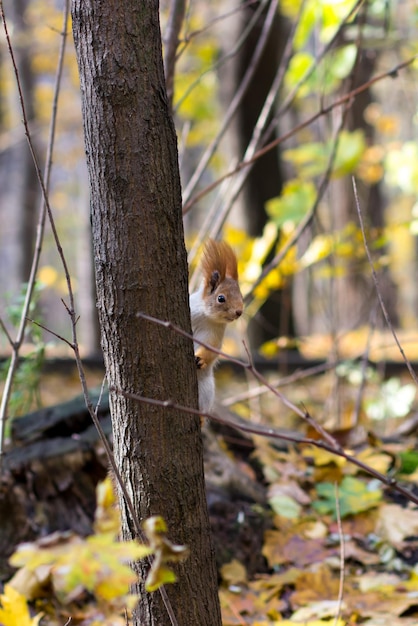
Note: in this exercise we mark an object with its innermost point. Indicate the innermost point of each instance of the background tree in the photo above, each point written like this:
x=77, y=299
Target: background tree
x=140, y=262
x=18, y=181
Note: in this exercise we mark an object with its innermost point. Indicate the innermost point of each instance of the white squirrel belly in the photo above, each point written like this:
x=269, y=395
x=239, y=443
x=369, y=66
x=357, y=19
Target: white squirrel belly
x=212, y=334
x=206, y=388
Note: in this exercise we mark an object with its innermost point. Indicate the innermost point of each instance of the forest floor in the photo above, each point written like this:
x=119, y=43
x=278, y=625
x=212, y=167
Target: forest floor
x=337, y=547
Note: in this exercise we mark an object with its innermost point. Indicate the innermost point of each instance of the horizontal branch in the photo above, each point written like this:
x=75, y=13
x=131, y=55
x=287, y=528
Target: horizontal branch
x=273, y=433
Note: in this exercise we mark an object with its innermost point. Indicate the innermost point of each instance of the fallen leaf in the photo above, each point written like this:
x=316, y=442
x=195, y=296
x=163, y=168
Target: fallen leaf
x=234, y=573
x=14, y=610
x=315, y=586
x=354, y=496
x=395, y=523
x=280, y=549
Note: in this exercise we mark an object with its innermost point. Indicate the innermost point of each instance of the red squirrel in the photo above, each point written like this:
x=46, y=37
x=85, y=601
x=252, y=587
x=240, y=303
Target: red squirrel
x=216, y=303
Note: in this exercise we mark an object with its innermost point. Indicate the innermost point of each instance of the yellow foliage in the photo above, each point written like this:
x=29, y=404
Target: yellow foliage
x=234, y=573
x=164, y=552
x=14, y=609
x=47, y=275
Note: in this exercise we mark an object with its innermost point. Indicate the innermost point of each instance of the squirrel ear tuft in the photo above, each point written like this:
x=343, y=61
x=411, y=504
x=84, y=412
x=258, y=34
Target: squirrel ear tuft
x=214, y=281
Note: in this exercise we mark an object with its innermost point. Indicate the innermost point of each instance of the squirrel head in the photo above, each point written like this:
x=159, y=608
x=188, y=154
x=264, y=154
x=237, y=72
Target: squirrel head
x=221, y=290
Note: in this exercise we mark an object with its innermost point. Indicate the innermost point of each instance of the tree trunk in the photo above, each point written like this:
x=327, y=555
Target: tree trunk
x=140, y=263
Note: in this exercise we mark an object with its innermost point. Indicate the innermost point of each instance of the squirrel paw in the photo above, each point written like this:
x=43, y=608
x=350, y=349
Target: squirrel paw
x=200, y=363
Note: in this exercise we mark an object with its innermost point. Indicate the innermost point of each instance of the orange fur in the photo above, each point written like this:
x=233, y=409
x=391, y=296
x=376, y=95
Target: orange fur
x=219, y=257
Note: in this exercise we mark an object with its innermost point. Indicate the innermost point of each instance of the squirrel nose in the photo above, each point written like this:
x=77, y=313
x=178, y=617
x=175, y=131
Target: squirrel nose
x=238, y=312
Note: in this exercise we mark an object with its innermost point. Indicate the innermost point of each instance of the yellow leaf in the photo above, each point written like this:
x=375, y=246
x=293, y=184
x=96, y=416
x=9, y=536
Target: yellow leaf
x=47, y=275
x=320, y=248
x=107, y=518
x=234, y=573
x=14, y=609
x=158, y=576
x=323, y=457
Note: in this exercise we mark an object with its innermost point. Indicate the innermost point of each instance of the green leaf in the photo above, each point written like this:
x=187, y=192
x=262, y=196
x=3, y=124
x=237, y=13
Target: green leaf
x=409, y=461
x=350, y=149
x=343, y=61
x=312, y=159
x=299, y=65
x=353, y=494
x=285, y=506
x=296, y=200
x=306, y=24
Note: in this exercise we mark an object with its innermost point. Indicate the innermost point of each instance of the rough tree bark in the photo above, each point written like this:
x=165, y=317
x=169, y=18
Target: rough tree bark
x=140, y=263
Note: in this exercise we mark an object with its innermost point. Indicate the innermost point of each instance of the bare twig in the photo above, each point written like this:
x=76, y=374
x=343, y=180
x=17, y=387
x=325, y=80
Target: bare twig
x=259, y=429
x=6, y=332
x=257, y=140
x=287, y=103
x=376, y=284
x=175, y=21
x=99, y=400
x=188, y=37
x=272, y=433
x=363, y=366
x=16, y=345
x=280, y=381
x=322, y=432
x=342, y=556
x=248, y=366
x=261, y=135
x=52, y=332
x=216, y=66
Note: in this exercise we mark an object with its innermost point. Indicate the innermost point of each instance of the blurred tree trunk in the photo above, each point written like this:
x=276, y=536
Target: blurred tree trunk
x=140, y=263
x=18, y=181
x=353, y=291
x=265, y=178
x=347, y=292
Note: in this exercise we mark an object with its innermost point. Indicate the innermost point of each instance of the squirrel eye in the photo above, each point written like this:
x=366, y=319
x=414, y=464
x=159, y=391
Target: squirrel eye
x=221, y=299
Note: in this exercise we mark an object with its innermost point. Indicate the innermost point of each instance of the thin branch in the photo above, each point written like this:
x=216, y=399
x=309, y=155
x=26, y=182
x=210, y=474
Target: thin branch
x=256, y=140
x=99, y=400
x=261, y=135
x=364, y=364
x=280, y=382
x=248, y=366
x=273, y=433
x=287, y=103
x=52, y=332
x=273, y=144
x=41, y=222
x=377, y=286
x=342, y=556
x=6, y=332
x=219, y=18
x=171, y=40
x=321, y=431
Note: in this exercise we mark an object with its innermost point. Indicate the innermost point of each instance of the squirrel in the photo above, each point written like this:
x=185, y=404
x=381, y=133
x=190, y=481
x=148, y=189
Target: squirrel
x=216, y=303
